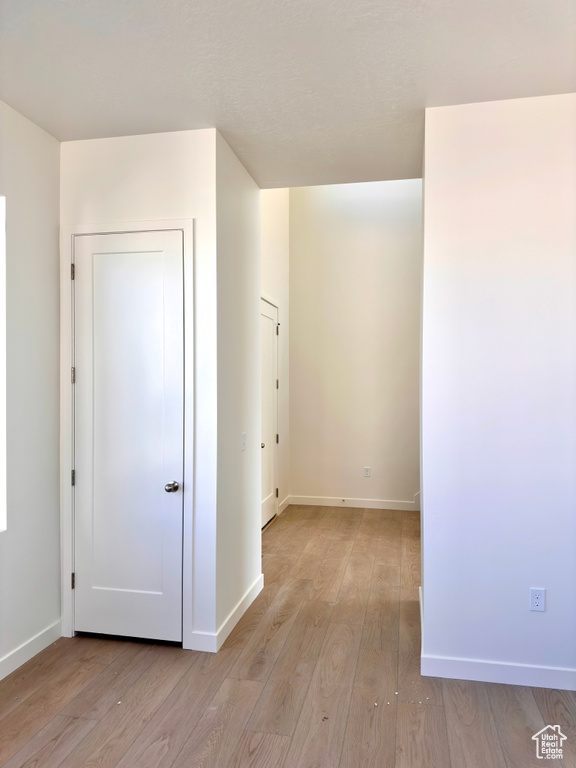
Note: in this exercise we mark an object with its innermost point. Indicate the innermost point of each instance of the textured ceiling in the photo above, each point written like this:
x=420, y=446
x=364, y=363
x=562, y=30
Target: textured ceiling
x=305, y=91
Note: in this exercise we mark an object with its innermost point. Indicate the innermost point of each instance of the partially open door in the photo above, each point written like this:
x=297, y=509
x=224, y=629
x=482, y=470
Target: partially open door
x=269, y=342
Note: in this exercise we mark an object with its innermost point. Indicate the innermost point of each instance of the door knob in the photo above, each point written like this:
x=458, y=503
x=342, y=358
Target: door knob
x=171, y=487
x=263, y=445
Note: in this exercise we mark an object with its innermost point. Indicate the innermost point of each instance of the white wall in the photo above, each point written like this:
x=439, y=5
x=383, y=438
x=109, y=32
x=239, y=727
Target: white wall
x=30, y=547
x=166, y=176
x=239, y=564
x=275, y=279
x=499, y=391
x=355, y=272
x=194, y=174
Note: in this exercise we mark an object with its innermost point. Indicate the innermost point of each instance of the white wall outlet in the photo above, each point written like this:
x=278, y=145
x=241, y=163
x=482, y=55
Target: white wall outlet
x=243, y=441
x=537, y=599
x=367, y=471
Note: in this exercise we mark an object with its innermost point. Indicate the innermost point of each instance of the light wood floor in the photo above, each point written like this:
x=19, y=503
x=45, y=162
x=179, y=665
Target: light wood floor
x=322, y=671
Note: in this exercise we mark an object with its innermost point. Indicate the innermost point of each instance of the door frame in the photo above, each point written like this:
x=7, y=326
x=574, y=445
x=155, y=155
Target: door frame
x=275, y=304
x=68, y=235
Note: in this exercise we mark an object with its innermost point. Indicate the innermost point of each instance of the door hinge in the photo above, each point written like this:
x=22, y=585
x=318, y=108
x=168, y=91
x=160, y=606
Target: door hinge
x=277, y=330
x=73, y=477
x=73, y=580
x=277, y=384
x=73, y=376
x=72, y=272
x=277, y=439
x=276, y=492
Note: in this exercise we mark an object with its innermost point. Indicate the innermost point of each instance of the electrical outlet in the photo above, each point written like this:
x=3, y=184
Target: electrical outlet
x=367, y=471
x=537, y=599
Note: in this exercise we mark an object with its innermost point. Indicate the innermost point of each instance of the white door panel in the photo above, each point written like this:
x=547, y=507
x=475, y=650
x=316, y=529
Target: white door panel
x=129, y=433
x=269, y=357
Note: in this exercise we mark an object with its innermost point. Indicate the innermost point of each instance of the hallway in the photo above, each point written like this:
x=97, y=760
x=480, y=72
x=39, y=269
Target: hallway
x=323, y=671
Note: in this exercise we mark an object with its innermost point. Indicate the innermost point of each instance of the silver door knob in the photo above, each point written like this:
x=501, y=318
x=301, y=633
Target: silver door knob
x=171, y=487
x=263, y=445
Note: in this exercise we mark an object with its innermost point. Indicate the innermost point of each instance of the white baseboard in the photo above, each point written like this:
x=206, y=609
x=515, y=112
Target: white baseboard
x=283, y=504
x=499, y=672
x=421, y=604
x=30, y=648
x=334, y=501
x=417, y=501
x=213, y=641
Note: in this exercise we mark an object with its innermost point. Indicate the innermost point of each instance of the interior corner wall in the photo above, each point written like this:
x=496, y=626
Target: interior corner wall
x=166, y=176
x=355, y=284
x=499, y=391
x=239, y=565
x=275, y=284
x=30, y=547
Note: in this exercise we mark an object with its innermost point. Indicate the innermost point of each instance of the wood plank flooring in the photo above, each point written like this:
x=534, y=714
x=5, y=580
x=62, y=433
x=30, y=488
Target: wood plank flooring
x=321, y=672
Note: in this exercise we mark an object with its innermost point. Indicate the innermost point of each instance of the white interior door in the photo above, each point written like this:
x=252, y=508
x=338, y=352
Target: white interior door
x=129, y=434
x=268, y=326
